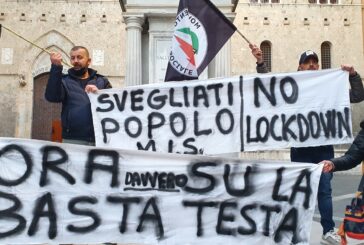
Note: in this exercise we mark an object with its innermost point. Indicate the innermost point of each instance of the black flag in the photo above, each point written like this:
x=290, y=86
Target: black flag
x=200, y=31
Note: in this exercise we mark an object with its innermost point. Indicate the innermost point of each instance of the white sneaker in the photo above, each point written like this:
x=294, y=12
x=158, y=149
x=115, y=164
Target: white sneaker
x=330, y=238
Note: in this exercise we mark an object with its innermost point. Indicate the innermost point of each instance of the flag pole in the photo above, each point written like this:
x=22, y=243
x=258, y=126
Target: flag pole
x=45, y=50
x=241, y=34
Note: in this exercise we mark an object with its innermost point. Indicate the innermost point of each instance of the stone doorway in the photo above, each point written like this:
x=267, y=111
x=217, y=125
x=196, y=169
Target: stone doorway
x=46, y=123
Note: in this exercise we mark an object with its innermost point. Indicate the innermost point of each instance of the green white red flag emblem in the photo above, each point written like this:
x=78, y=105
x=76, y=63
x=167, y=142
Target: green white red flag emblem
x=199, y=33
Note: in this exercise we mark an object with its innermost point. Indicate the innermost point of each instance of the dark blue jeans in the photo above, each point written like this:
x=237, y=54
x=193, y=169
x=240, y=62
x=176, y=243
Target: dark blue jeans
x=324, y=197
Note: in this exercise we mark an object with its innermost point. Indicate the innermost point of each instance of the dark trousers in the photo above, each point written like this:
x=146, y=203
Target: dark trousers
x=324, y=195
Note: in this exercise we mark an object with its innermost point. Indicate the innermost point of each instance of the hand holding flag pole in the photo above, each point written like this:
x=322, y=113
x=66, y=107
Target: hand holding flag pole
x=16, y=34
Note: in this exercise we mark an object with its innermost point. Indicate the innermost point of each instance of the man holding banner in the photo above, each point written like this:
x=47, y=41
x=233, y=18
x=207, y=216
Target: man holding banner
x=309, y=61
x=71, y=90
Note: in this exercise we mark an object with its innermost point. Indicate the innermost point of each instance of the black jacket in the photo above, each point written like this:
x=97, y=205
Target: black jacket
x=76, y=108
x=354, y=155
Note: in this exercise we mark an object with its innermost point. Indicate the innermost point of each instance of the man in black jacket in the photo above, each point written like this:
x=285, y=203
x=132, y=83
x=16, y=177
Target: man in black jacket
x=351, y=158
x=309, y=61
x=71, y=90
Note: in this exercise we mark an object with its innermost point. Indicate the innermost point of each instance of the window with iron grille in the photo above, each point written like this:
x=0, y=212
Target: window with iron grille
x=266, y=48
x=324, y=1
x=326, y=55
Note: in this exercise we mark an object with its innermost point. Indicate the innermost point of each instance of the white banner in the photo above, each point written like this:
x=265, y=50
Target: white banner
x=60, y=193
x=186, y=117
x=255, y=112
x=297, y=109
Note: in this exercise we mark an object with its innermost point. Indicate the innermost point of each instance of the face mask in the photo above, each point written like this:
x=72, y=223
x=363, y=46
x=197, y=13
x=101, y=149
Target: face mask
x=80, y=72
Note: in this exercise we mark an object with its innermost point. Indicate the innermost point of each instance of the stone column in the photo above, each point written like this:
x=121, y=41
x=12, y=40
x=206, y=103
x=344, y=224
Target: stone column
x=220, y=65
x=133, y=74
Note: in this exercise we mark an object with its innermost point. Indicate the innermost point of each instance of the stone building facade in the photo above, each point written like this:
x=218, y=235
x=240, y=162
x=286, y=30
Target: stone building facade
x=129, y=42
x=55, y=26
x=292, y=26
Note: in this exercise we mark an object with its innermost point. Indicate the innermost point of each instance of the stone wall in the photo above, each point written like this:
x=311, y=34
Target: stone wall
x=291, y=37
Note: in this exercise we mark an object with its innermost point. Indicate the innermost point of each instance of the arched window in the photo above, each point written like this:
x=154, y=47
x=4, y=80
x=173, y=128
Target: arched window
x=326, y=55
x=266, y=48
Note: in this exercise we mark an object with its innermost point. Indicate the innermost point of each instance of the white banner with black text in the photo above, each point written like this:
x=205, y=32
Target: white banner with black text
x=62, y=193
x=216, y=116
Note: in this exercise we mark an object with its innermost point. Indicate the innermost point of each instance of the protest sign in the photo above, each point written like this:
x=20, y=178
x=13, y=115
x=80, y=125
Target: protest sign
x=254, y=112
x=61, y=193
x=297, y=109
x=193, y=118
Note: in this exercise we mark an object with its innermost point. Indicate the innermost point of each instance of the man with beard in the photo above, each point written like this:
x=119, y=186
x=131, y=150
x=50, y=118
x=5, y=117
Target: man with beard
x=71, y=90
x=309, y=61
